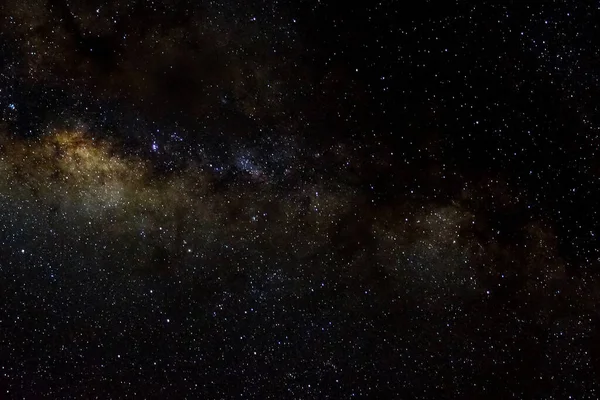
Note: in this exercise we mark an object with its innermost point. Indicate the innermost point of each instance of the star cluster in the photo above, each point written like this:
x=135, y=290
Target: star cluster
x=271, y=200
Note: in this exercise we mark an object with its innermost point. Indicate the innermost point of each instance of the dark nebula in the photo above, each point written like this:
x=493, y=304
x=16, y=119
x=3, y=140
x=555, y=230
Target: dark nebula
x=303, y=200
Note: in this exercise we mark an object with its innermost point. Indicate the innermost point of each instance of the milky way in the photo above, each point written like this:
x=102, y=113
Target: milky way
x=266, y=200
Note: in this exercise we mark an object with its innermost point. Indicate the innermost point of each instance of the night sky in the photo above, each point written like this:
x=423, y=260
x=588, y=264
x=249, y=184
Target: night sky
x=299, y=200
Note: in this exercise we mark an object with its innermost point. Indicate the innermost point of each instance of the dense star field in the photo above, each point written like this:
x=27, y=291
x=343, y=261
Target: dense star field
x=304, y=200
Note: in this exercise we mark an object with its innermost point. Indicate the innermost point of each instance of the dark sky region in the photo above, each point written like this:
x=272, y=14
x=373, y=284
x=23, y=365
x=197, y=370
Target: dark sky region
x=299, y=199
